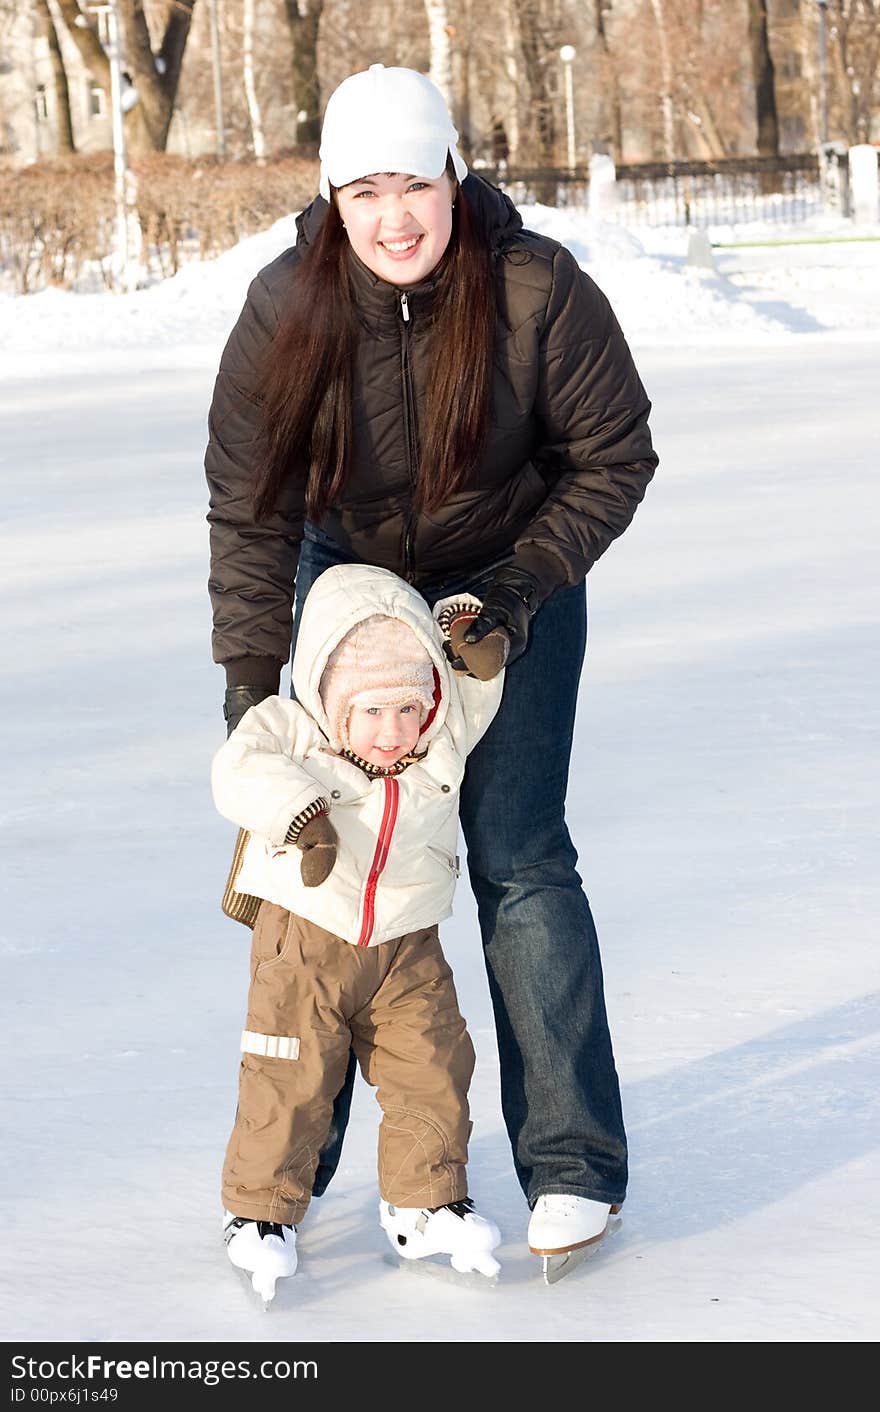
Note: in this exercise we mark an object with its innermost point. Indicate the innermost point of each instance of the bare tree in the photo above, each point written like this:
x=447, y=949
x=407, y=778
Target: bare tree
x=63, y=116
x=537, y=45
x=854, y=34
x=83, y=30
x=610, y=82
x=763, y=75
x=250, y=88
x=270, y=76
x=462, y=38
x=156, y=75
x=664, y=50
x=695, y=104
x=654, y=78
x=506, y=127
x=440, y=32
x=303, y=20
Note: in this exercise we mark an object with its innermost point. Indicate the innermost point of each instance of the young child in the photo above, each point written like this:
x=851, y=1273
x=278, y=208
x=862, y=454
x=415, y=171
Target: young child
x=350, y=796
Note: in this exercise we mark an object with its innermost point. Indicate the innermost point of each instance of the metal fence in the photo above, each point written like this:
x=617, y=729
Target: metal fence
x=785, y=189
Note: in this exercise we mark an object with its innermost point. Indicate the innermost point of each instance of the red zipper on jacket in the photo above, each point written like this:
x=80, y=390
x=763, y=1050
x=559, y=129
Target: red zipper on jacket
x=380, y=858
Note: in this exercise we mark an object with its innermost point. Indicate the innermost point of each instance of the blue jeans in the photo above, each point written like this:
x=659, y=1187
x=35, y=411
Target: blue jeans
x=559, y=1091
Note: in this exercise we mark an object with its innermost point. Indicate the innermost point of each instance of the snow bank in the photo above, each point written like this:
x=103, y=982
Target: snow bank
x=758, y=290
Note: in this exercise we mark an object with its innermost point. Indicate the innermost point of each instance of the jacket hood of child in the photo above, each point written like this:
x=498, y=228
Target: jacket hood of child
x=397, y=835
x=342, y=597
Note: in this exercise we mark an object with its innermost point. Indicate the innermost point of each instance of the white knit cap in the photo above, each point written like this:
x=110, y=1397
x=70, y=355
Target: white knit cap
x=379, y=663
x=386, y=120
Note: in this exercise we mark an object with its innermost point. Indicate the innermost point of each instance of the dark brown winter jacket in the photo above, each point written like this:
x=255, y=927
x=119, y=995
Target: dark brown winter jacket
x=566, y=462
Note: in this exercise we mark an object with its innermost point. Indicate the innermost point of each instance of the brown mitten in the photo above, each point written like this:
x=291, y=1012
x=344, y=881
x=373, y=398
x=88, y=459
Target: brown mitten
x=317, y=839
x=483, y=659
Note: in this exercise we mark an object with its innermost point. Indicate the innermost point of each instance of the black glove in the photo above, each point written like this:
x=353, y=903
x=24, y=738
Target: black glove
x=239, y=699
x=511, y=602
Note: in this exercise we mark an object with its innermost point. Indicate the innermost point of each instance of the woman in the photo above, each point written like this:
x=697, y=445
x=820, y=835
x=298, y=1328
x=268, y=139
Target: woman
x=422, y=384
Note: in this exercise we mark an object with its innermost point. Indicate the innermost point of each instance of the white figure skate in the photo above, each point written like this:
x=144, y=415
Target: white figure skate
x=562, y=1225
x=264, y=1250
x=454, y=1230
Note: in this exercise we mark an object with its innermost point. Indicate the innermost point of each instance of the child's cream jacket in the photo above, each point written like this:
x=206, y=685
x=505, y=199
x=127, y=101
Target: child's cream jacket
x=396, y=865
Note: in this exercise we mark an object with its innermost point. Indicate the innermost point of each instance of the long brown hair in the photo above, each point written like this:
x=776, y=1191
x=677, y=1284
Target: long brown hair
x=306, y=383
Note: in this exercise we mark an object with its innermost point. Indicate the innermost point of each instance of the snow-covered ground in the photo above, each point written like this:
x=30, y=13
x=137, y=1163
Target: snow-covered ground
x=723, y=800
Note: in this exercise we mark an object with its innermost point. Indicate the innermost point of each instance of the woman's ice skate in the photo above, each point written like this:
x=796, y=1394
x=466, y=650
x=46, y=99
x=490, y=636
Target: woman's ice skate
x=454, y=1230
x=561, y=1225
x=265, y=1250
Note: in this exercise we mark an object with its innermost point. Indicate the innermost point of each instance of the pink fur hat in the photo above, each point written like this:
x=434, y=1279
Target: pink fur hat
x=379, y=663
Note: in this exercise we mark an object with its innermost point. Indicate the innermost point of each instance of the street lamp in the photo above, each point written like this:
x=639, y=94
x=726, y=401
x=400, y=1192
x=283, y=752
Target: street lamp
x=567, y=54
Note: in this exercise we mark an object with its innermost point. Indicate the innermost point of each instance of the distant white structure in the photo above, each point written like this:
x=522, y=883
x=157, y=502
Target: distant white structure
x=603, y=187
x=864, y=181
x=699, y=251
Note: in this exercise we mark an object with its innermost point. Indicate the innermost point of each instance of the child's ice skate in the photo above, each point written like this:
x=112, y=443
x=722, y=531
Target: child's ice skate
x=454, y=1230
x=562, y=1229
x=265, y=1250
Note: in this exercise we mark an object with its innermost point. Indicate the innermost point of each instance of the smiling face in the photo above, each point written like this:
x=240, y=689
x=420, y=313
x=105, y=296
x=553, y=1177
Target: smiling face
x=399, y=226
x=382, y=735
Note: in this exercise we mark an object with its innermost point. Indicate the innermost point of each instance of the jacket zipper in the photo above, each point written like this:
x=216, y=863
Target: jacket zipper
x=409, y=421
x=380, y=858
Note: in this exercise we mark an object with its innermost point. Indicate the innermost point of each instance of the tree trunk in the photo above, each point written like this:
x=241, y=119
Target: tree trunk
x=461, y=104
x=303, y=19
x=84, y=33
x=535, y=54
x=763, y=76
x=253, y=104
x=609, y=64
x=440, y=47
x=462, y=59
x=156, y=76
x=506, y=126
x=853, y=34
x=666, y=105
x=63, y=119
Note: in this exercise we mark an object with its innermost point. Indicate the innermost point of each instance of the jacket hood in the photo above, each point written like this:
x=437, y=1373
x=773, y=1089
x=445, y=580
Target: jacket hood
x=339, y=599
x=494, y=211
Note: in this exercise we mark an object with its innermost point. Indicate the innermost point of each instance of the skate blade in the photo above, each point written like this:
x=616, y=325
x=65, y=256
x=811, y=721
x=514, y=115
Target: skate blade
x=556, y=1267
x=471, y=1279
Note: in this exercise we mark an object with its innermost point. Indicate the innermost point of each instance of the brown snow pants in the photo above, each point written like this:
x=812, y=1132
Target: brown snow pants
x=312, y=997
